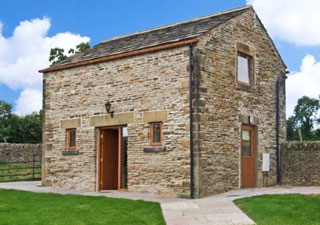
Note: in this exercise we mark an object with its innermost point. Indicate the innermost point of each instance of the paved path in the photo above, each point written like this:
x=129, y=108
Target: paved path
x=217, y=209
x=220, y=209
x=35, y=186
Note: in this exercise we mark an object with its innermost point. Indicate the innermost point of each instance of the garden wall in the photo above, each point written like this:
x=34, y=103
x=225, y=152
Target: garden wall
x=10, y=152
x=300, y=163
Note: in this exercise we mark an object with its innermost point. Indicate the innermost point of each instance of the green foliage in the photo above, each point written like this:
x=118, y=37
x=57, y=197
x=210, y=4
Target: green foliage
x=19, y=129
x=5, y=114
x=57, y=54
x=26, y=129
x=5, y=110
x=306, y=118
x=292, y=132
x=82, y=47
x=293, y=209
x=21, y=207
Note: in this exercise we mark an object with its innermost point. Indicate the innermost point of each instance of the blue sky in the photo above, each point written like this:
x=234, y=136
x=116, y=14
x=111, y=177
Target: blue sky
x=100, y=20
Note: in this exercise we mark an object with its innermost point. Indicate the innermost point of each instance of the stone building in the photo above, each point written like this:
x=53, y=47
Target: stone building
x=118, y=115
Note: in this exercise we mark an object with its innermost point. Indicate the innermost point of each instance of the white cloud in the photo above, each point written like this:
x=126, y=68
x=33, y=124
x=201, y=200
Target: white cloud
x=24, y=53
x=29, y=100
x=294, y=21
x=305, y=82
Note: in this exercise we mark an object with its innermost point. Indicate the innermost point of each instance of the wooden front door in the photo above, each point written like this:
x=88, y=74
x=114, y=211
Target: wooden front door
x=247, y=157
x=109, y=159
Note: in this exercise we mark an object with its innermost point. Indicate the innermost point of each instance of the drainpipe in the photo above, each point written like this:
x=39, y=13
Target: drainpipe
x=279, y=80
x=43, y=122
x=191, y=120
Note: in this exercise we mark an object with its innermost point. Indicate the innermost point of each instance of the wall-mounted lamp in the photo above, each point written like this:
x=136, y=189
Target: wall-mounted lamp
x=108, y=108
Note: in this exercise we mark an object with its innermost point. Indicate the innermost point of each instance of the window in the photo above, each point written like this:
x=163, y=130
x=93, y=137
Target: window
x=246, y=143
x=156, y=133
x=244, y=72
x=71, y=139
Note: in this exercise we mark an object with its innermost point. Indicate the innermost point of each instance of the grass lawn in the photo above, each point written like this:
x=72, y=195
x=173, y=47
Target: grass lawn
x=21, y=207
x=293, y=209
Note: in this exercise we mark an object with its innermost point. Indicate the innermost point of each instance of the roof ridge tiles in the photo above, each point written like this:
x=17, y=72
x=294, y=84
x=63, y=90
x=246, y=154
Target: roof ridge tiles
x=178, y=23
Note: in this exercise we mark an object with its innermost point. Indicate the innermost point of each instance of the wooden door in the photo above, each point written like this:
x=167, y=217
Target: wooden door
x=247, y=157
x=109, y=159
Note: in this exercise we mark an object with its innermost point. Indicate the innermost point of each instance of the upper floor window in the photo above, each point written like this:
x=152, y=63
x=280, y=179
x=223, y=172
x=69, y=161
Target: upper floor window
x=244, y=72
x=71, y=139
x=156, y=133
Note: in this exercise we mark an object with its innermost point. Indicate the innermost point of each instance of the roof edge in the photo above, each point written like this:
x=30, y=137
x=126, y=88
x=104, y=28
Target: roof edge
x=269, y=37
x=178, y=23
x=119, y=56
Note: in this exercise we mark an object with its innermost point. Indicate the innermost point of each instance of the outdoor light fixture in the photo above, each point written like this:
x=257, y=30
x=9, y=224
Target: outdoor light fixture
x=108, y=108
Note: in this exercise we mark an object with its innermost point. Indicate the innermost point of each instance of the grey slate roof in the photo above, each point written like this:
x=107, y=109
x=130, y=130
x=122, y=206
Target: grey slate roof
x=163, y=35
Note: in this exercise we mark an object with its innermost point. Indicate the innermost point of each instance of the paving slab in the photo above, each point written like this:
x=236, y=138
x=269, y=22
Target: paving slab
x=35, y=186
x=214, y=210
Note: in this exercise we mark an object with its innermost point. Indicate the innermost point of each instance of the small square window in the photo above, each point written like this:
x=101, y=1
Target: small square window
x=156, y=134
x=244, y=70
x=71, y=139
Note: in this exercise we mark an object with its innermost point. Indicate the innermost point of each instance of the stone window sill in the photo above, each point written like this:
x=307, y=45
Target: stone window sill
x=154, y=149
x=70, y=152
x=241, y=87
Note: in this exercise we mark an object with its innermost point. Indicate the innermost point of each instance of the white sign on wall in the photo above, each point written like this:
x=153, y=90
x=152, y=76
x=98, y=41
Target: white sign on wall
x=266, y=162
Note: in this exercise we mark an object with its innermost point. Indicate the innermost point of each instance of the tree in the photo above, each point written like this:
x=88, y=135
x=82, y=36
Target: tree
x=306, y=118
x=292, y=133
x=19, y=129
x=57, y=54
x=5, y=113
x=26, y=129
x=82, y=47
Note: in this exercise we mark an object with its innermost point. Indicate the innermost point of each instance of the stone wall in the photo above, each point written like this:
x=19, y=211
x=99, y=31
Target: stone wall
x=10, y=152
x=222, y=105
x=136, y=85
x=300, y=163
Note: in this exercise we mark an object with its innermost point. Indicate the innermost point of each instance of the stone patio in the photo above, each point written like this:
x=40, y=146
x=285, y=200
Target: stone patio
x=213, y=210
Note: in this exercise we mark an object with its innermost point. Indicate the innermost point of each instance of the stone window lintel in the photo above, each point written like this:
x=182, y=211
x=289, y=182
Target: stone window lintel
x=70, y=123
